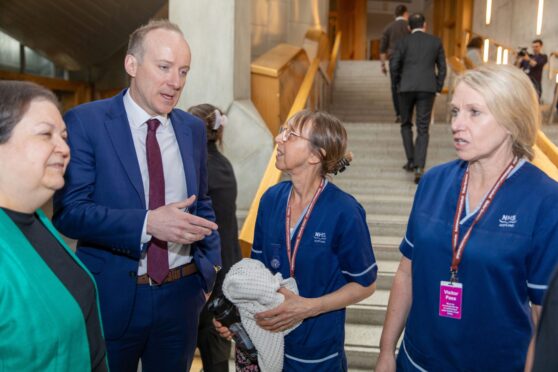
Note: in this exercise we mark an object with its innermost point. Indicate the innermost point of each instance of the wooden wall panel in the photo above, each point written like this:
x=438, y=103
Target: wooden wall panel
x=351, y=20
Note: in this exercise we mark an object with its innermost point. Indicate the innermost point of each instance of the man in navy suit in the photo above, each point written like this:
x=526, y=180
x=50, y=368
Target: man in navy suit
x=418, y=68
x=135, y=198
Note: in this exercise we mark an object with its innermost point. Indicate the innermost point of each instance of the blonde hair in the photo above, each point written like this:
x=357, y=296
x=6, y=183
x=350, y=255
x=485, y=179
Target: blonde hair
x=511, y=99
x=327, y=136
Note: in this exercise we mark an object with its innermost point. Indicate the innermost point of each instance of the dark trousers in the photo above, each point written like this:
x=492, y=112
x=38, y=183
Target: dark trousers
x=538, y=87
x=395, y=96
x=163, y=328
x=423, y=101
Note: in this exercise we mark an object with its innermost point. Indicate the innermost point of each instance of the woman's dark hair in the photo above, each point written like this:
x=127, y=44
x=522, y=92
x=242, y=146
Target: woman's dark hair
x=15, y=98
x=327, y=135
x=206, y=112
x=475, y=42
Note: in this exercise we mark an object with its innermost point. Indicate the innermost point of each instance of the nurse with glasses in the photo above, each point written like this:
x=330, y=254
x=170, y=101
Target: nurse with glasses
x=309, y=229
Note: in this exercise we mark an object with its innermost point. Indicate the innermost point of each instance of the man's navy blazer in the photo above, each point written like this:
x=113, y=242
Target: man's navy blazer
x=103, y=205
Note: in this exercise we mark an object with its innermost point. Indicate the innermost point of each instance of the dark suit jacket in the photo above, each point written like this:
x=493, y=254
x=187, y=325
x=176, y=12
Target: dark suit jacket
x=103, y=203
x=419, y=64
x=391, y=35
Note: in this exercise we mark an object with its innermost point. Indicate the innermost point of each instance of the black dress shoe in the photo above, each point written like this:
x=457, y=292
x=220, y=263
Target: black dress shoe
x=409, y=166
x=419, y=172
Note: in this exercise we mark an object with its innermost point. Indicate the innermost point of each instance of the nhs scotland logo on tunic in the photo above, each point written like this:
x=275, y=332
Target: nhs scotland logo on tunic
x=508, y=220
x=320, y=237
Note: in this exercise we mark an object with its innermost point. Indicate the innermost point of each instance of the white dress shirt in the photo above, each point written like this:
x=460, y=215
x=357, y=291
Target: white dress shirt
x=175, y=179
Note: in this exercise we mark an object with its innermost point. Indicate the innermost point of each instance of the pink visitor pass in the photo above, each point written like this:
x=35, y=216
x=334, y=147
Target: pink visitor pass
x=451, y=296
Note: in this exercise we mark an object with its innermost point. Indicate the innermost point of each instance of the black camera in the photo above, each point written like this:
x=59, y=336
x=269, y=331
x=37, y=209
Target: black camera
x=522, y=52
x=227, y=314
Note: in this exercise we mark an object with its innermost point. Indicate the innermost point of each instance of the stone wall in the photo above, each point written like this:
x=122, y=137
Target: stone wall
x=284, y=21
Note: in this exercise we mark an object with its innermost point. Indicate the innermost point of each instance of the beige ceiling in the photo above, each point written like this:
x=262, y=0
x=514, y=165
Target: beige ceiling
x=76, y=34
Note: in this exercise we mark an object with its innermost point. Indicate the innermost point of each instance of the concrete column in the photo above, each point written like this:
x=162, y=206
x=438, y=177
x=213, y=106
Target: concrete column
x=218, y=32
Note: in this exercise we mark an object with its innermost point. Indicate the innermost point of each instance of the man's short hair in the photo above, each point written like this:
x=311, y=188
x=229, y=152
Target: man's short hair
x=537, y=41
x=400, y=10
x=135, y=44
x=416, y=20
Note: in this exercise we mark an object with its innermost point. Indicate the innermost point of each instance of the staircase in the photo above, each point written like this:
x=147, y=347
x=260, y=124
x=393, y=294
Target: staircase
x=362, y=100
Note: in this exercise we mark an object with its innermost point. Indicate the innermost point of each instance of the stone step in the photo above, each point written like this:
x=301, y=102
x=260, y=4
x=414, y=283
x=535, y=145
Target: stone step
x=387, y=225
x=386, y=273
x=394, y=161
x=370, y=311
x=435, y=141
x=376, y=173
x=362, y=345
x=386, y=204
x=392, y=151
x=363, y=188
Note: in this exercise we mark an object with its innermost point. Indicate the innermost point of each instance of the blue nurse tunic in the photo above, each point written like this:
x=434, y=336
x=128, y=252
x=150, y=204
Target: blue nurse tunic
x=506, y=264
x=335, y=249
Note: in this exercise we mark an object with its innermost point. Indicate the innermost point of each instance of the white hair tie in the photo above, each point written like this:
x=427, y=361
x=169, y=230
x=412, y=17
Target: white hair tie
x=220, y=120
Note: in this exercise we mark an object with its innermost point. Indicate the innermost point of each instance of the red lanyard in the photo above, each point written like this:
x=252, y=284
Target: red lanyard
x=458, y=248
x=292, y=258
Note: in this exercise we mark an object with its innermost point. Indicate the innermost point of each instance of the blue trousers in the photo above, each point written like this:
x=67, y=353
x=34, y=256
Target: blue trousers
x=162, y=330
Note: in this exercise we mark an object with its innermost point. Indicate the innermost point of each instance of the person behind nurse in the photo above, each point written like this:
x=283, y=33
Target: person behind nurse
x=50, y=316
x=136, y=200
x=222, y=190
x=481, y=241
x=309, y=229
x=474, y=56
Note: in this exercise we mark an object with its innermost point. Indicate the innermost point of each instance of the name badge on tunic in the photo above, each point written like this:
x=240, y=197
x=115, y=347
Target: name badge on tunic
x=451, y=296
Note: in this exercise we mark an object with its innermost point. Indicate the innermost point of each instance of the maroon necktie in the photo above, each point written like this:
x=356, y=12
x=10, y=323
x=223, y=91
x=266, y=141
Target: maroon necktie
x=157, y=253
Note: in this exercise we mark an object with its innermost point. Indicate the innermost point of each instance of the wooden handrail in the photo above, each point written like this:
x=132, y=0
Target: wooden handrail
x=544, y=162
x=272, y=175
x=305, y=88
x=334, y=56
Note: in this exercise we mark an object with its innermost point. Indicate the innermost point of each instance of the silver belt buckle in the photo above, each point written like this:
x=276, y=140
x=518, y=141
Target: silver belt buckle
x=152, y=283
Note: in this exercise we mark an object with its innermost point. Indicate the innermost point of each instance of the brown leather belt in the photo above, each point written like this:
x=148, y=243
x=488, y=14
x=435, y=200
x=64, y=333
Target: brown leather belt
x=174, y=274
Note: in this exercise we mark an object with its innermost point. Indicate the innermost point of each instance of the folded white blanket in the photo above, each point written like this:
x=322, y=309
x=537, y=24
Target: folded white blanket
x=253, y=289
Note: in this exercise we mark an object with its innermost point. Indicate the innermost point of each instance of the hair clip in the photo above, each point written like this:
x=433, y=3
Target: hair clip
x=220, y=120
x=342, y=164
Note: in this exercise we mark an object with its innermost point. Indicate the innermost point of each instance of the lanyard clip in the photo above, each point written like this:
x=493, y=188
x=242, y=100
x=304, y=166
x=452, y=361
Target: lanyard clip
x=453, y=278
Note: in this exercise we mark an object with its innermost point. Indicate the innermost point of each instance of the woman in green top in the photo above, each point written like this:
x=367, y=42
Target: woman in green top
x=48, y=304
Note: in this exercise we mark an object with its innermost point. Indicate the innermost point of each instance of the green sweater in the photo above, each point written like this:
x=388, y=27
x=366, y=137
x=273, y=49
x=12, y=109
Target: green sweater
x=41, y=325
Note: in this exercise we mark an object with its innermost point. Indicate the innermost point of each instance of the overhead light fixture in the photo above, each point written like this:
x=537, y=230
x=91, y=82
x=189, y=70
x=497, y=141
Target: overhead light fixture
x=488, y=11
x=540, y=17
x=506, y=55
x=499, y=56
x=485, y=50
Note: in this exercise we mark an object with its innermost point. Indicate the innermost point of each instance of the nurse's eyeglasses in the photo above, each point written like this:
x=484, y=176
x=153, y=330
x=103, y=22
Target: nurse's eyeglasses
x=286, y=133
